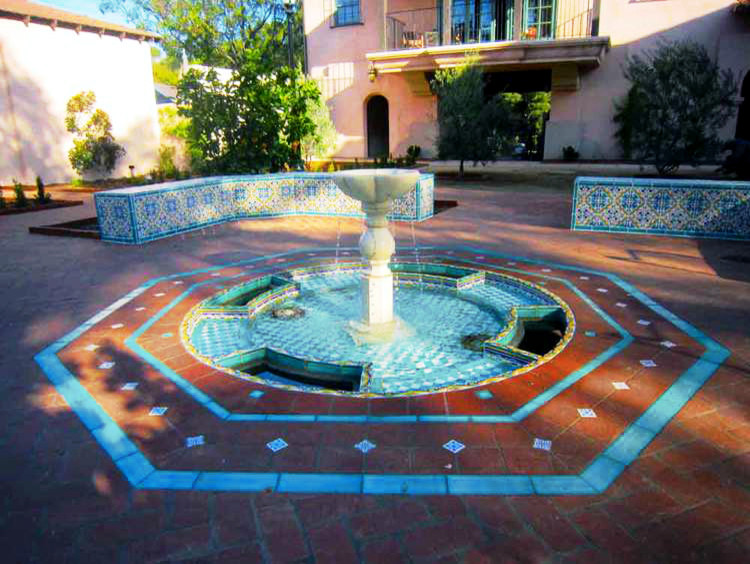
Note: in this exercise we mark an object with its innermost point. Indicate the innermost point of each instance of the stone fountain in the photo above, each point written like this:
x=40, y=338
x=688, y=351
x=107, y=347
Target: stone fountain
x=376, y=189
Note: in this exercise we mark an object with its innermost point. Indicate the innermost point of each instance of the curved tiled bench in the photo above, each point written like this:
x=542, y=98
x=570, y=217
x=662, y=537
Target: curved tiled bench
x=144, y=213
x=683, y=208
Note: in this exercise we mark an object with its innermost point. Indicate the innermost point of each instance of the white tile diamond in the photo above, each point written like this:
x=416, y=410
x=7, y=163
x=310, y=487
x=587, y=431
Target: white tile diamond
x=216, y=274
x=512, y=263
x=542, y=444
x=129, y=386
x=117, y=326
x=643, y=322
x=648, y=363
x=668, y=344
x=546, y=270
x=602, y=290
x=178, y=282
x=454, y=446
x=158, y=411
x=195, y=441
x=583, y=278
x=140, y=308
x=159, y=294
x=620, y=386
x=106, y=365
x=364, y=446
x=620, y=304
x=91, y=348
x=586, y=412
x=277, y=444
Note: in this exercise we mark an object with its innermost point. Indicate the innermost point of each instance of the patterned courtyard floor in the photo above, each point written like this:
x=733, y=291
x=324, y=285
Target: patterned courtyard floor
x=632, y=444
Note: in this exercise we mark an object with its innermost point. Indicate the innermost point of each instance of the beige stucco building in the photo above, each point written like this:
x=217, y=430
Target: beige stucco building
x=46, y=57
x=374, y=59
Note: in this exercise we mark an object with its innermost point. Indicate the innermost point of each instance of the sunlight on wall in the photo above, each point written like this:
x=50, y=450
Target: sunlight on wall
x=334, y=78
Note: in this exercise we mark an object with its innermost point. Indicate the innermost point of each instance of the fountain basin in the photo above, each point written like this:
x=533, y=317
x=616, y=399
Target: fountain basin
x=441, y=305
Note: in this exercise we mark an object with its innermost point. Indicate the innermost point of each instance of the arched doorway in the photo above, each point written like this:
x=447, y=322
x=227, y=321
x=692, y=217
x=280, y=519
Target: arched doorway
x=743, y=113
x=377, y=127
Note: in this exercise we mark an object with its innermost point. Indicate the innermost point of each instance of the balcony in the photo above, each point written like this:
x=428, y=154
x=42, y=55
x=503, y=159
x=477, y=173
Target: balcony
x=556, y=35
x=466, y=22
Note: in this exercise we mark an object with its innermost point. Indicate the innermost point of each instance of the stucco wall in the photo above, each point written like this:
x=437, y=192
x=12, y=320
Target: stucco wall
x=583, y=119
x=41, y=68
x=336, y=58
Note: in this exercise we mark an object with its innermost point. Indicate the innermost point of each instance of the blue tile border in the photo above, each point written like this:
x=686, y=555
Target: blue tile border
x=595, y=479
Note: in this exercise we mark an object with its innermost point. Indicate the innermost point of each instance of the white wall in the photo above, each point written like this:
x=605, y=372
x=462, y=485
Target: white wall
x=41, y=68
x=583, y=119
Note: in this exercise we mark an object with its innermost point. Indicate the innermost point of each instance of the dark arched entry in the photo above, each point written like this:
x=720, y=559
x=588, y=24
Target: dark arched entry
x=377, y=127
x=743, y=113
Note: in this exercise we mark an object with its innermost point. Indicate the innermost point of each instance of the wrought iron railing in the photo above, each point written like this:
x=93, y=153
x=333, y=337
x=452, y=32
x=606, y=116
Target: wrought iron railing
x=460, y=22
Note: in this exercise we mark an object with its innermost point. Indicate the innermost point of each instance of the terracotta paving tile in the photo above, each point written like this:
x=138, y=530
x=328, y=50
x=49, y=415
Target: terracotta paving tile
x=434, y=540
x=388, y=550
x=387, y=460
x=282, y=534
x=331, y=543
x=482, y=460
x=402, y=516
x=551, y=525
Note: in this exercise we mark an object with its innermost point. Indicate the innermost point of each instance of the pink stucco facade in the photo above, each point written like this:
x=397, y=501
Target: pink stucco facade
x=586, y=71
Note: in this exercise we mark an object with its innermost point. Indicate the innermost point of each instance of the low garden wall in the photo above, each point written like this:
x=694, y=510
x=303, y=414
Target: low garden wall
x=144, y=213
x=683, y=208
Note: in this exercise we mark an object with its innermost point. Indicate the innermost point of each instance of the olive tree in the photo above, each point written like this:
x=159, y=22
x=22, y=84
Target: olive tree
x=678, y=100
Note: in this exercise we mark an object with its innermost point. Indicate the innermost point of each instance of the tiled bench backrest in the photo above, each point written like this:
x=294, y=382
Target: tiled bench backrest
x=684, y=208
x=141, y=214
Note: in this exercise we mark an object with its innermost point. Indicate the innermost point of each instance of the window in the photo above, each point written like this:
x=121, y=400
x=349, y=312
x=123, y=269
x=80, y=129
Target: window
x=539, y=19
x=347, y=12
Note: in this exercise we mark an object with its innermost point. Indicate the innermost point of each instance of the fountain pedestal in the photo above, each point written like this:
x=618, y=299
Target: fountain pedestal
x=376, y=189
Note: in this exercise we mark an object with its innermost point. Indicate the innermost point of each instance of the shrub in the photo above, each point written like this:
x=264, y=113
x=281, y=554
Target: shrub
x=412, y=154
x=570, y=154
x=678, y=100
x=41, y=196
x=21, y=201
x=166, y=167
x=469, y=128
x=94, y=148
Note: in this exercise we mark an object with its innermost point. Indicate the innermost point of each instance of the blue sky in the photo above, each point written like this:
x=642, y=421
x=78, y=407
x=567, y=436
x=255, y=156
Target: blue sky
x=85, y=7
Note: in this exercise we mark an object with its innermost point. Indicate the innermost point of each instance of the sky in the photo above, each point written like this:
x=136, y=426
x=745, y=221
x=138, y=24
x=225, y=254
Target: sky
x=86, y=8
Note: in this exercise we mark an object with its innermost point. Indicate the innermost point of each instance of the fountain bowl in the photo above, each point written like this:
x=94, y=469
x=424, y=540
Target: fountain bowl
x=376, y=186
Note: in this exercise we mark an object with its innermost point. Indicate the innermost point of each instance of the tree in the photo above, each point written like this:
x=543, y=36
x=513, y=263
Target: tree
x=251, y=123
x=677, y=102
x=469, y=128
x=215, y=33
x=94, y=148
x=528, y=112
x=322, y=141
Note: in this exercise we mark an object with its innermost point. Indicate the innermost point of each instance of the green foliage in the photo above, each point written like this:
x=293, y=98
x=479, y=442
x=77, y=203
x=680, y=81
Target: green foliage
x=570, y=154
x=94, y=147
x=41, y=196
x=173, y=124
x=322, y=141
x=412, y=154
x=678, y=100
x=219, y=32
x=166, y=167
x=21, y=201
x=469, y=128
x=166, y=71
x=528, y=111
x=251, y=123
x=77, y=182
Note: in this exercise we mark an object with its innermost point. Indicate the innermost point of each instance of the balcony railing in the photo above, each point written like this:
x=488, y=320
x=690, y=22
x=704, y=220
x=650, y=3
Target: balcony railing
x=459, y=22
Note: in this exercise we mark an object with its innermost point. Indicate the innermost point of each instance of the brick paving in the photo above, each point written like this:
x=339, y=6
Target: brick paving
x=685, y=498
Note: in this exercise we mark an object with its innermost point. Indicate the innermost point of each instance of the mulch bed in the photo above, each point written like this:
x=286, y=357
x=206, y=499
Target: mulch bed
x=34, y=207
x=86, y=228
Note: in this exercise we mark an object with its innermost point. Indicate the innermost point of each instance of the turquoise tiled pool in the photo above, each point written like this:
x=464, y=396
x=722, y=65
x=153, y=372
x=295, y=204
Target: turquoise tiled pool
x=426, y=356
